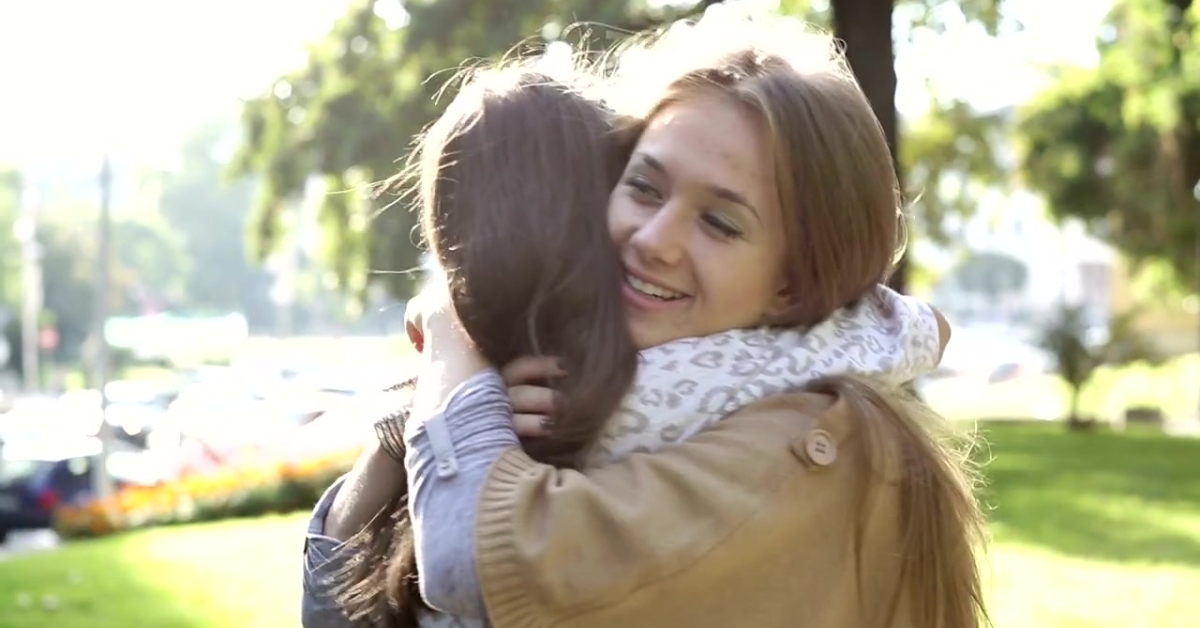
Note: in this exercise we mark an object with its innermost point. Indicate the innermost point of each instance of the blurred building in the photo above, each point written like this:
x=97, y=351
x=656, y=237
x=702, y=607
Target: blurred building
x=1020, y=267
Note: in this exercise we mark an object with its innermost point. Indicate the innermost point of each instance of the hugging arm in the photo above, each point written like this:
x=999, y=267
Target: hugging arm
x=345, y=509
x=448, y=457
x=321, y=560
x=546, y=546
x=445, y=479
x=895, y=343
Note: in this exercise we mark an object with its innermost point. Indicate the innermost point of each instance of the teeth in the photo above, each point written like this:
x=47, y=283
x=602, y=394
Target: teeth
x=652, y=290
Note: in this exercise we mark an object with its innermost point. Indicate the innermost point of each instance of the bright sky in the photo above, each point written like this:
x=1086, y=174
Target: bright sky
x=132, y=76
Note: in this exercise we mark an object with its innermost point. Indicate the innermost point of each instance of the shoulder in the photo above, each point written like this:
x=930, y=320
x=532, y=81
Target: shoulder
x=844, y=420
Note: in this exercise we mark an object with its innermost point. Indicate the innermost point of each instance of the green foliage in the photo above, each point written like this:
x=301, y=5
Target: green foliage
x=932, y=14
x=205, y=216
x=67, y=268
x=367, y=90
x=10, y=254
x=950, y=156
x=1119, y=145
x=184, y=250
x=350, y=114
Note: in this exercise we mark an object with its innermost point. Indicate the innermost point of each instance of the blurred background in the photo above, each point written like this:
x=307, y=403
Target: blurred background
x=190, y=288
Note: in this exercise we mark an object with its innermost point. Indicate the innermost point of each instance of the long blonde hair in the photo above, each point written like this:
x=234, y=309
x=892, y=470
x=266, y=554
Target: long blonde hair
x=844, y=227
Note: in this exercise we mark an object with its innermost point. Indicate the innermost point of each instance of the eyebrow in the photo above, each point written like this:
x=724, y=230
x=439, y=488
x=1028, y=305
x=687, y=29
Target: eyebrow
x=718, y=191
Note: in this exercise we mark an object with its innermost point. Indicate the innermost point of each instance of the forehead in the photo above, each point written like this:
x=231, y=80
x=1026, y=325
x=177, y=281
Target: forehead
x=711, y=141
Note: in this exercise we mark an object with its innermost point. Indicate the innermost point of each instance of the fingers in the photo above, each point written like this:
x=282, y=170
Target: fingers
x=528, y=369
x=531, y=425
x=532, y=405
x=532, y=399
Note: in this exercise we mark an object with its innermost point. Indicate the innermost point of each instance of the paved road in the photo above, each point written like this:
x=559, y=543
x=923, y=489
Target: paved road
x=28, y=542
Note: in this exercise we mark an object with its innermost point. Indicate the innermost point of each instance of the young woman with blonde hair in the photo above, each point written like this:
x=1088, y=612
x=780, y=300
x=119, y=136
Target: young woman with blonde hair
x=757, y=214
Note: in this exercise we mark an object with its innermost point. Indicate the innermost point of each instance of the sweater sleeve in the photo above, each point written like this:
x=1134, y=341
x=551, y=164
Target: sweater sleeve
x=448, y=457
x=317, y=608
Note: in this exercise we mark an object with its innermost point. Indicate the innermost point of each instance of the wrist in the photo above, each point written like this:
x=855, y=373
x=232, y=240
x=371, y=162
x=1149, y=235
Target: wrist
x=389, y=436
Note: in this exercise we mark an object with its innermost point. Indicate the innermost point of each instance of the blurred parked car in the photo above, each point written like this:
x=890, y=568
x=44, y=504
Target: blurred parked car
x=40, y=472
x=993, y=372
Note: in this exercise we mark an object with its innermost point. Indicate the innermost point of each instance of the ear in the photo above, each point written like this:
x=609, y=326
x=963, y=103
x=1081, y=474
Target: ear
x=783, y=303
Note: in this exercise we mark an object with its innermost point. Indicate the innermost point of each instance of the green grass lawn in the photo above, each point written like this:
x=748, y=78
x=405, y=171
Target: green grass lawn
x=1090, y=530
x=235, y=574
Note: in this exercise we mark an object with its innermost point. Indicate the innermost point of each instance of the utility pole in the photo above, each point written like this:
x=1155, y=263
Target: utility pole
x=102, y=482
x=31, y=288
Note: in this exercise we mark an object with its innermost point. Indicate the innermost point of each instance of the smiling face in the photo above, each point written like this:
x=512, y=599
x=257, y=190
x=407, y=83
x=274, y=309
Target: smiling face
x=698, y=222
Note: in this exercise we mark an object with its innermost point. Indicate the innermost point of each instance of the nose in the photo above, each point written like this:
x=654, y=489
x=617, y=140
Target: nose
x=661, y=238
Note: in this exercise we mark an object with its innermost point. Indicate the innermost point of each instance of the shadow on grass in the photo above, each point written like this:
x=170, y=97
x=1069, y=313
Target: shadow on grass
x=232, y=573
x=1131, y=497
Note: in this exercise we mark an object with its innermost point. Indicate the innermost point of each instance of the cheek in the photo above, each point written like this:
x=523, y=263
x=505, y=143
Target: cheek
x=620, y=222
x=741, y=292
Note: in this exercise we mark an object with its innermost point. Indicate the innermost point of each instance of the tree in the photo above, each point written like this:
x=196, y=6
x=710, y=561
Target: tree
x=209, y=215
x=11, y=188
x=354, y=109
x=10, y=266
x=951, y=156
x=351, y=112
x=866, y=27
x=1078, y=353
x=1119, y=145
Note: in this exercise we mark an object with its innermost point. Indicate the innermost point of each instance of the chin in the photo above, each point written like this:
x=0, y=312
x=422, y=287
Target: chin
x=651, y=331
x=647, y=338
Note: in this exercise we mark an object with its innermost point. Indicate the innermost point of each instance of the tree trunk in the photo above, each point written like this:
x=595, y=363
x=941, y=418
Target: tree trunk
x=1188, y=139
x=1075, y=422
x=866, y=28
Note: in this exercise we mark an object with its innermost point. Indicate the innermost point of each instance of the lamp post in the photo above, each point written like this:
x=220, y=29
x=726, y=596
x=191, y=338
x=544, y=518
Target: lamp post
x=32, y=295
x=102, y=481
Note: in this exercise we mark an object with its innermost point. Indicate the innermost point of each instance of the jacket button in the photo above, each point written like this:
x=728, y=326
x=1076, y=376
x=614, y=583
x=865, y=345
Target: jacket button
x=447, y=467
x=820, y=448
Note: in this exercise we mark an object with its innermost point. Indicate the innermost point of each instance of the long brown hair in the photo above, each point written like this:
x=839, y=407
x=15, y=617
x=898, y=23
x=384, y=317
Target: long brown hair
x=513, y=182
x=845, y=228
x=836, y=181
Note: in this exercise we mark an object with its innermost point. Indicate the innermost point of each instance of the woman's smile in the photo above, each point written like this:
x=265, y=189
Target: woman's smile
x=698, y=223
x=645, y=294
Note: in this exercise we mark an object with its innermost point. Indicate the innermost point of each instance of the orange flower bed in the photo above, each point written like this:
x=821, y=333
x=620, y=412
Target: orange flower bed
x=245, y=490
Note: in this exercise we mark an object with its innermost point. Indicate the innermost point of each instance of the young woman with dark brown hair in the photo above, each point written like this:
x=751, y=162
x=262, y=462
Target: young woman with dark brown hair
x=759, y=198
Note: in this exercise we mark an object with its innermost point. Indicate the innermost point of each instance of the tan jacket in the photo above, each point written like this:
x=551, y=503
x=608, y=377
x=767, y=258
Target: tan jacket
x=751, y=523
